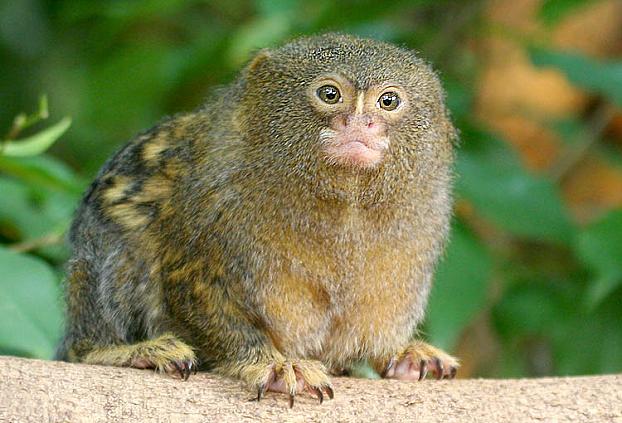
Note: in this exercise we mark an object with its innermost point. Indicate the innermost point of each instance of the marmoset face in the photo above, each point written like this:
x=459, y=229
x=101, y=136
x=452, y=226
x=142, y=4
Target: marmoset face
x=344, y=103
x=356, y=134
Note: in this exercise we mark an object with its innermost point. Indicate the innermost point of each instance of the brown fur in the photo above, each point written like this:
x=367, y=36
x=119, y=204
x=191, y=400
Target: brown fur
x=226, y=230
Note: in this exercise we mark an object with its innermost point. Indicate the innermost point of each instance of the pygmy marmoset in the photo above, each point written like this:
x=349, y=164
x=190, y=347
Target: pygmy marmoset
x=281, y=232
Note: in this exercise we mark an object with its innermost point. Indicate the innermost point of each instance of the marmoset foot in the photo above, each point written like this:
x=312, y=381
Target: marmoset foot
x=420, y=359
x=290, y=377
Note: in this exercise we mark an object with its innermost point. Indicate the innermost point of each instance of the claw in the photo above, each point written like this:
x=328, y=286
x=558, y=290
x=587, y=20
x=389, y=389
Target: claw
x=389, y=366
x=439, y=368
x=261, y=390
x=330, y=392
x=290, y=378
x=423, y=369
x=319, y=393
x=179, y=369
x=452, y=372
x=183, y=369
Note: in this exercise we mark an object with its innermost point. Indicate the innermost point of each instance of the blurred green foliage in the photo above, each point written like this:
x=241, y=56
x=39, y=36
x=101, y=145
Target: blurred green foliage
x=547, y=288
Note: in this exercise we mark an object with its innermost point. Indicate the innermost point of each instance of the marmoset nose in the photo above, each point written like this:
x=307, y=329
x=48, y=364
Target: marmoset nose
x=359, y=122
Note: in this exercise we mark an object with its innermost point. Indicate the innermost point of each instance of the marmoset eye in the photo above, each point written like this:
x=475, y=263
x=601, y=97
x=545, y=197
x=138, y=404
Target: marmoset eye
x=329, y=94
x=389, y=101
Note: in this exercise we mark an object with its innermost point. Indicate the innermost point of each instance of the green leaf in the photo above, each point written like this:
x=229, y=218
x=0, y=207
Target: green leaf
x=275, y=7
x=545, y=311
x=36, y=218
x=258, y=33
x=492, y=179
x=35, y=144
x=42, y=171
x=527, y=308
x=30, y=312
x=459, y=98
x=460, y=288
x=589, y=342
x=604, y=78
x=600, y=248
x=553, y=11
x=601, y=287
x=19, y=217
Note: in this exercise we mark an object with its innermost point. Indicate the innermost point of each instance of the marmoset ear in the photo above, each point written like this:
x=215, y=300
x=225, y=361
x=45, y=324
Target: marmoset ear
x=259, y=60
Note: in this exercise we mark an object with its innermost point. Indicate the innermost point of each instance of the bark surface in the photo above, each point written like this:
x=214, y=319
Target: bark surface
x=45, y=391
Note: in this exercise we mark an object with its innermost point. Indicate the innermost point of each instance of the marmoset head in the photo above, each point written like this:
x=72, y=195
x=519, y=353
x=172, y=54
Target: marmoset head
x=345, y=102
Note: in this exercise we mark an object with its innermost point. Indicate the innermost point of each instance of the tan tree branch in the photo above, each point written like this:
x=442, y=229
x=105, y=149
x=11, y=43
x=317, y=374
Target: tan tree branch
x=44, y=391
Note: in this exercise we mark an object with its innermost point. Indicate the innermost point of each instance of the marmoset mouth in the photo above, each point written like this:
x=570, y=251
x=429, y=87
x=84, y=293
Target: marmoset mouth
x=361, y=142
x=365, y=152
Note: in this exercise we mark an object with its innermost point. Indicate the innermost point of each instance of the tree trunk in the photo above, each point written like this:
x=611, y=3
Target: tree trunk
x=46, y=391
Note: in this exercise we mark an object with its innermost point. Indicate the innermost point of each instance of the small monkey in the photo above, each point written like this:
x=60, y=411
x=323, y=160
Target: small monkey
x=285, y=230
